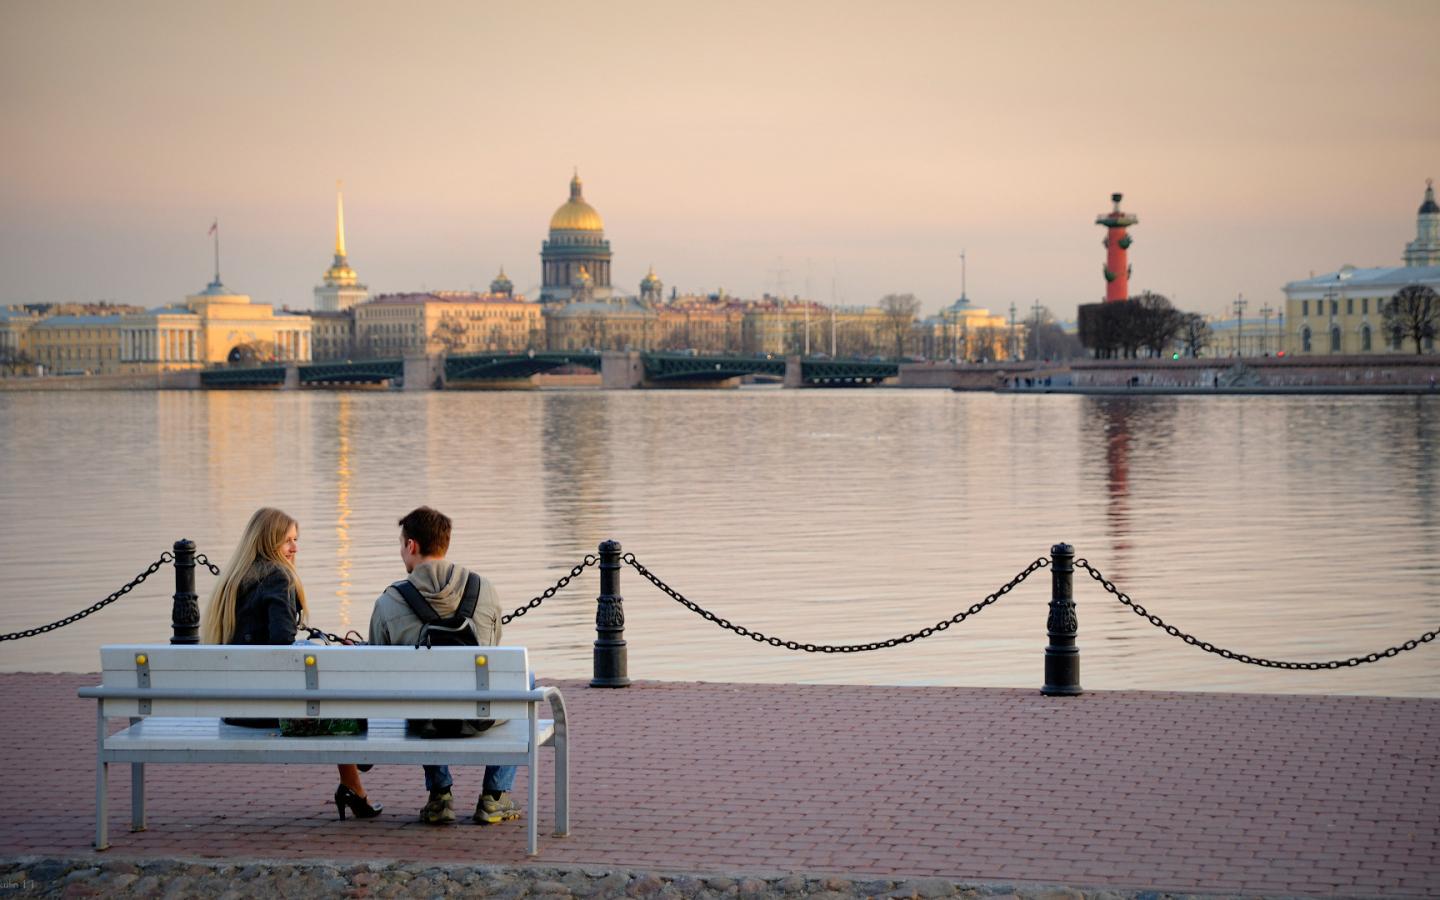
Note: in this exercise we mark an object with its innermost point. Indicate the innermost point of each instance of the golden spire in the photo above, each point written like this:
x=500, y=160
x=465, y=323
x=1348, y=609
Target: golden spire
x=339, y=219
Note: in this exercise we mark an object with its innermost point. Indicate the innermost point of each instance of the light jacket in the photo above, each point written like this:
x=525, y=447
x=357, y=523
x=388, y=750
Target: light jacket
x=442, y=584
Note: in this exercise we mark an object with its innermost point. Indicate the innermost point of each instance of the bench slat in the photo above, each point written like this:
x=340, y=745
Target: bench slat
x=207, y=738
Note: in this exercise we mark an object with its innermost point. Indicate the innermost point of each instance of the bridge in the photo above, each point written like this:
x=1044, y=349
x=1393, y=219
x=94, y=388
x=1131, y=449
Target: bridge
x=618, y=369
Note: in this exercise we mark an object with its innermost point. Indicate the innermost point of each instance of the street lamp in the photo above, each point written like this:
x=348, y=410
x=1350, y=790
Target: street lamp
x=1265, y=312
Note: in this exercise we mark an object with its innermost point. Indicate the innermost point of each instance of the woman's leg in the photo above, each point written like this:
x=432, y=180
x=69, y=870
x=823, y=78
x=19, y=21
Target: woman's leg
x=350, y=777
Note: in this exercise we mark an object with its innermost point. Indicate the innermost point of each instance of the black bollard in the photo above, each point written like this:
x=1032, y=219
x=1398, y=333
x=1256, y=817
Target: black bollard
x=185, y=613
x=1062, y=657
x=610, y=653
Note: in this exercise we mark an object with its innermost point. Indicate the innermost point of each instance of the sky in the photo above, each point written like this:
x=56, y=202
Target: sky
x=836, y=150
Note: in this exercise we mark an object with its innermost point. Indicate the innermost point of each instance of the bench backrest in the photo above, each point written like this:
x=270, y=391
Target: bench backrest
x=397, y=682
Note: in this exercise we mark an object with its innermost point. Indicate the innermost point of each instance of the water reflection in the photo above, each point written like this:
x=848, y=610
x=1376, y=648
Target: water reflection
x=1288, y=527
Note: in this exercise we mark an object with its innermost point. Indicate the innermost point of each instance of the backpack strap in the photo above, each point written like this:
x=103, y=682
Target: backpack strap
x=417, y=603
x=468, y=603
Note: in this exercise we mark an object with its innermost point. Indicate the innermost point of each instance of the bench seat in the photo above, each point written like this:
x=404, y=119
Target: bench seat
x=206, y=740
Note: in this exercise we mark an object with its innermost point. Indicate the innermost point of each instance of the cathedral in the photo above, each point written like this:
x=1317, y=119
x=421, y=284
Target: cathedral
x=576, y=258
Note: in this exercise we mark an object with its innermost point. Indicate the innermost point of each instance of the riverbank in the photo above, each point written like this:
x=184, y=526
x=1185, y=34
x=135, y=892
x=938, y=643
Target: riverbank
x=1115, y=791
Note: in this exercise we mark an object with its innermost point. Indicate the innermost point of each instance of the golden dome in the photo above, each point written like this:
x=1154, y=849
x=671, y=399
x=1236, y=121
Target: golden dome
x=576, y=214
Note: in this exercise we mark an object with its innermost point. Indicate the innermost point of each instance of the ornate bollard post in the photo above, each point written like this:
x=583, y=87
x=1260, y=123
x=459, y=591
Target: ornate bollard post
x=610, y=653
x=185, y=613
x=1062, y=657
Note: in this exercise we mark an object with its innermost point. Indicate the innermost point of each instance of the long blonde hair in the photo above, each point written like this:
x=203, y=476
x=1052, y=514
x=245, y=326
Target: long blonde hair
x=261, y=541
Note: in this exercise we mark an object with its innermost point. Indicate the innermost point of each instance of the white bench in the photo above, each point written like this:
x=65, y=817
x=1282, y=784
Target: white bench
x=175, y=697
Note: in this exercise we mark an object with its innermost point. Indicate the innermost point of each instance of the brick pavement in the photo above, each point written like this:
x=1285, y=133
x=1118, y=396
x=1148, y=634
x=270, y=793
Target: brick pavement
x=1274, y=794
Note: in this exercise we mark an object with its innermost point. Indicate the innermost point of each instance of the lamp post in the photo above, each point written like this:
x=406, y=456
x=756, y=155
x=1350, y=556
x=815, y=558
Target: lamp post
x=1239, y=305
x=1265, y=312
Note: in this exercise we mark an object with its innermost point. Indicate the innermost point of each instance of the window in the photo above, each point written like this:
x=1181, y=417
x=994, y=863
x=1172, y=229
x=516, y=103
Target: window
x=1349, y=306
x=1305, y=308
x=1334, y=307
x=1364, y=306
x=1365, y=339
x=1335, y=339
x=1305, y=339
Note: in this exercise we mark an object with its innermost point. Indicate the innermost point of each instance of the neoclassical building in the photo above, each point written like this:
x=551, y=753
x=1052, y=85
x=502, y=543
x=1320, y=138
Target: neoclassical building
x=576, y=257
x=1342, y=311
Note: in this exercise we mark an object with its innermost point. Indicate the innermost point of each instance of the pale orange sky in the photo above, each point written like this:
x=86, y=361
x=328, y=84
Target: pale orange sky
x=856, y=144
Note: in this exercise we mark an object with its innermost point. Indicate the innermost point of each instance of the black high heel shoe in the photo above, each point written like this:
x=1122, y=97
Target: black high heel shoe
x=358, y=805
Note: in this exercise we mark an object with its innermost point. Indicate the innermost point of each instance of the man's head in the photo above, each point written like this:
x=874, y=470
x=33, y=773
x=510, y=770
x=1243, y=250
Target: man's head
x=424, y=534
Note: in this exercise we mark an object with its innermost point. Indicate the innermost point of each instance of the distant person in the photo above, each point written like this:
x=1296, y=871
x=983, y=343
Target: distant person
x=424, y=541
x=259, y=600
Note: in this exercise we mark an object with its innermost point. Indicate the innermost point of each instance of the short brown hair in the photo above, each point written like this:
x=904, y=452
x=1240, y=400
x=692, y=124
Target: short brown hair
x=428, y=528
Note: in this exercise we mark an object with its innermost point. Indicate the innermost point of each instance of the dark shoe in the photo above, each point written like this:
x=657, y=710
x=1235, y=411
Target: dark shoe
x=494, y=810
x=365, y=767
x=358, y=805
x=440, y=810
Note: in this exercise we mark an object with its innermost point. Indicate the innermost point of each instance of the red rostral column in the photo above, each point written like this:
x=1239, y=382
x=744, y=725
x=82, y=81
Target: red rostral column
x=1117, y=242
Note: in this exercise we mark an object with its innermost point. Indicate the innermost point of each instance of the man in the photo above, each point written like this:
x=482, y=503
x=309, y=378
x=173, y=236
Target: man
x=424, y=540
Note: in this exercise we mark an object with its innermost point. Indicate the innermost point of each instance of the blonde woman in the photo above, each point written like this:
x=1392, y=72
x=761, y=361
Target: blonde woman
x=259, y=600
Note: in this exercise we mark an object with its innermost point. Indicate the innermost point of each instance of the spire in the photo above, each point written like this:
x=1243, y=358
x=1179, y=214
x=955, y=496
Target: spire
x=339, y=220
x=575, y=186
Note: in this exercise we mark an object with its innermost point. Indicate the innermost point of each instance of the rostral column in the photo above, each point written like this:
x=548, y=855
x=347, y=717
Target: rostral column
x=1117, y=243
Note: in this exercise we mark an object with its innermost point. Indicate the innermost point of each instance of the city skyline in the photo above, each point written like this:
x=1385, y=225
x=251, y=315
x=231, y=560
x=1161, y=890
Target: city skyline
x=836, y=152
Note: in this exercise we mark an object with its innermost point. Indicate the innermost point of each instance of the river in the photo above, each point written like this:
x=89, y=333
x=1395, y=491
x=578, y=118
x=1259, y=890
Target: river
x=1288, y=527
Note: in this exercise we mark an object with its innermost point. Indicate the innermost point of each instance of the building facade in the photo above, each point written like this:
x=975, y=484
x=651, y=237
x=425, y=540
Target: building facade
x=1342, y=312
x=76, y=345
x=446, y=321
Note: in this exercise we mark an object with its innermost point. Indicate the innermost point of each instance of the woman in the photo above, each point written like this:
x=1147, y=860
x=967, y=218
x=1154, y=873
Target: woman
x=259, y=600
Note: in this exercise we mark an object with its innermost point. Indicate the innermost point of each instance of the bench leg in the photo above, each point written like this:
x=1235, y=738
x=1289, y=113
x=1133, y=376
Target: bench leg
x=562, y=786
x=532, y=846
x=137, y=796
x=102, y=772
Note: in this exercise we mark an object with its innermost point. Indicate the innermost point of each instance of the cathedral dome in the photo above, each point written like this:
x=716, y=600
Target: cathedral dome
x=576, y=214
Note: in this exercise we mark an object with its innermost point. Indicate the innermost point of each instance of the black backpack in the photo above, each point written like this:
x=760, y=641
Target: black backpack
x=452, y=631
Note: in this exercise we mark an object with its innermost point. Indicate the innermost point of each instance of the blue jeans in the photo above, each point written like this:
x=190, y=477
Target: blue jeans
x=497, y=778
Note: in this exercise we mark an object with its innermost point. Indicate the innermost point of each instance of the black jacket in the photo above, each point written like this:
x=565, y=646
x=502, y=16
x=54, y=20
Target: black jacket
x=266, y=611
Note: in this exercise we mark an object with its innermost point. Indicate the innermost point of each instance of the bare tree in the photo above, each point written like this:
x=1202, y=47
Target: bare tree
x=899, y=310
x=1158, y=322
x=1414, y=313
x=451, y=334
x=1194, y=333
x=14, y=360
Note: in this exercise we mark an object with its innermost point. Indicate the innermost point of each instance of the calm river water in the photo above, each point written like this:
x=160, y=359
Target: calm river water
x=1289, y=527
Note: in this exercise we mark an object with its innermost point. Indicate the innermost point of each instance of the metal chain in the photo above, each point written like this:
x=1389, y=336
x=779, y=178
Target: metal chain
x=203, y=560
x=1208, y=647
x=589, y=560
x=758, y=637
x=154, y=567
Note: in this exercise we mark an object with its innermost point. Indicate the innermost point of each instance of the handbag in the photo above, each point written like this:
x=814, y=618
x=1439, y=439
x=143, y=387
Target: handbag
x=326, y=727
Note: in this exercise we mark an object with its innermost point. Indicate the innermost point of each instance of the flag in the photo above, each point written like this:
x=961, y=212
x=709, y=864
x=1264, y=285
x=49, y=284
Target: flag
x=213, y=225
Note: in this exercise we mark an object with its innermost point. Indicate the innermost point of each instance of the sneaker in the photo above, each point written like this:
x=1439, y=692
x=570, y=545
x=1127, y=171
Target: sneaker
x=440, y=809
x=494, y=810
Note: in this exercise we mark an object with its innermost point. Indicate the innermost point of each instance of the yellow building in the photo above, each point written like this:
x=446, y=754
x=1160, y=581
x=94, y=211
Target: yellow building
x=1342, y=312
x=76, y=345
x=15, y=327
x=968, y=333
x=453, y=321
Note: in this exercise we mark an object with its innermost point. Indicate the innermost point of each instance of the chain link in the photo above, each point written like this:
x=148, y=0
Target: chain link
x=154, y=567
x=630, y=560
x=203, y=560
x=589, y=560
x=1208, y=647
